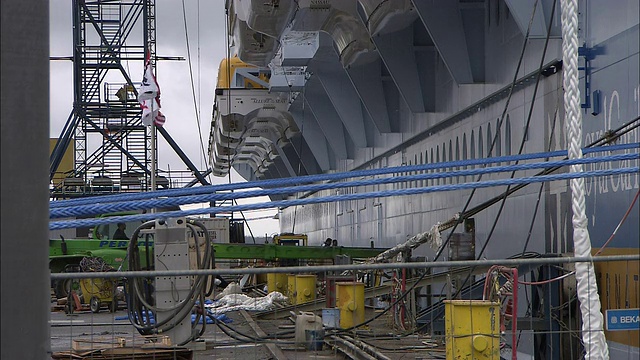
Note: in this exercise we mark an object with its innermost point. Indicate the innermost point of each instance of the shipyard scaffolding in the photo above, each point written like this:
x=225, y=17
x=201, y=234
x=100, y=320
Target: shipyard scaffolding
x=110, y=147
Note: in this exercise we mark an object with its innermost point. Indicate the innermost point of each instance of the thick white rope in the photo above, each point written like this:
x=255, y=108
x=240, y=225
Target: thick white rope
x=592, y=334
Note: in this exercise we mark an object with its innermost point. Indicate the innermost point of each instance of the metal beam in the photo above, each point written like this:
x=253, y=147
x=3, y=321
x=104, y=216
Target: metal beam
x=303, y=152
x=313, y=136
x=195, y=181
x=344, y=98
x=183, y=156
x=328, y=119
x=522, y=10
x=396, y=50
x=117, y=145
x=273, y=252
x=367, y=80
x=426, y=60
x=273, y=348
x=443, y=22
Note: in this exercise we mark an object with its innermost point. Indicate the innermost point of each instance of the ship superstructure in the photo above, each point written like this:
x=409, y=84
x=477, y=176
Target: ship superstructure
x=327, y=86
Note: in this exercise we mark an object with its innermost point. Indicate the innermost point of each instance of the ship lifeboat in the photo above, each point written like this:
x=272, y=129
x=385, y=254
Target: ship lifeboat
x=250, y=122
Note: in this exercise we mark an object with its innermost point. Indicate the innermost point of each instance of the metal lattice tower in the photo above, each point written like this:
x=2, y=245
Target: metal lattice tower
x=112, y=148
x=111, y=145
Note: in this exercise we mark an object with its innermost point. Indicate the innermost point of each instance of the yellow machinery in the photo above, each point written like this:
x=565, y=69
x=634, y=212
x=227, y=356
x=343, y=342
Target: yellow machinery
x=350, y=301
x=291, y=288
x=277, y=282
x=97, y=291
x=472, y=329
x=305, y=288
x=290, y=239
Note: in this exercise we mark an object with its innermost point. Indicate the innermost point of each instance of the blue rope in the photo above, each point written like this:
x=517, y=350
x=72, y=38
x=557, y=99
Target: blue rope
x=84, y=210
x=65, y=224
x=323, y=177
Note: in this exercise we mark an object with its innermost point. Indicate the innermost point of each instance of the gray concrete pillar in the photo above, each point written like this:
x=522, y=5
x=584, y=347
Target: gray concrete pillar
x=24, y=118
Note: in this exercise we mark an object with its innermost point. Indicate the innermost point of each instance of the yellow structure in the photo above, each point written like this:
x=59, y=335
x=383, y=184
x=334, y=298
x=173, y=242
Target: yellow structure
x=291, y=239
x=350, y=301
x=277, y=282
x=472, y=329
x=305, y=288
x=291, y=288
x=228, y=67
x=96, y=291
x=66, y=164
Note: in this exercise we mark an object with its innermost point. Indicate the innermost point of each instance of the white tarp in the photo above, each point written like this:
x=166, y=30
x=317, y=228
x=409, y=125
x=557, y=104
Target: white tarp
x=234, y=302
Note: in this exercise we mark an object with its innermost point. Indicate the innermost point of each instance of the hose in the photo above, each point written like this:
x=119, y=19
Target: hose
x=139, y=297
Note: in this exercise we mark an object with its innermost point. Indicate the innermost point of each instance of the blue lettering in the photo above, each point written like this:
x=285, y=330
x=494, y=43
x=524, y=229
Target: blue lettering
x=103, y=243
x=122, y=243
x=112, y=244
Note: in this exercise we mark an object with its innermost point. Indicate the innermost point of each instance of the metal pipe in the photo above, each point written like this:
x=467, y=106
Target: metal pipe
x=432, y=236
x=357, y=351
x=326, y=268
x=368, y=348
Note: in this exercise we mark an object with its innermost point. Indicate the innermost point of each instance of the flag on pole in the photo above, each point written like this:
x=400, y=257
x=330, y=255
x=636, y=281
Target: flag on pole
x=149, y=97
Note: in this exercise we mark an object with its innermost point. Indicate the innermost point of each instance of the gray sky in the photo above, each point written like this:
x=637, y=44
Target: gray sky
x=205, y=21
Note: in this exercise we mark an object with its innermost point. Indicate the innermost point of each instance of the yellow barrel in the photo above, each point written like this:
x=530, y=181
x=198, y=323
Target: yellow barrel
x=261, y=278
x=277, y=282
x=472, y=329
x=291, y=288
x=350, y=301
x=305, y=288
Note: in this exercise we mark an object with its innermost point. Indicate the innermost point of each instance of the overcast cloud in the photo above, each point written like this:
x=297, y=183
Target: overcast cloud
x=205, y=21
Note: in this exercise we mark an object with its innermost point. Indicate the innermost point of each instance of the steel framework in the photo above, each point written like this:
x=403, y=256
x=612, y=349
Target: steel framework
x=111, y=146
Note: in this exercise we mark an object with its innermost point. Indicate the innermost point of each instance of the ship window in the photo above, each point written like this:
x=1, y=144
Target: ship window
x=457, y=156
x=472, y=146
x=431, y=161
x=415, y=162
x=444, y=159
x=480, y=144
x=507, y=137
x=437, y=181
x=422, y=172
x=490, y=149
x=451, y=168
x=498, y=151
x=464, y=153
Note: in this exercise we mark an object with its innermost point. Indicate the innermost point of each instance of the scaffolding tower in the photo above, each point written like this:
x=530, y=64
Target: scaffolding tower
x=111, y=147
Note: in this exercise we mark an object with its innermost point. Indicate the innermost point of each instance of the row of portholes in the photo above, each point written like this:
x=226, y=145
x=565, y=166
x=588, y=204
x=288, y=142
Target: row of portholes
x=477, y=147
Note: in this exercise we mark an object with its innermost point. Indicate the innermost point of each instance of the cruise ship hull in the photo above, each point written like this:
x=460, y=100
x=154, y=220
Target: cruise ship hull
x=379, y=84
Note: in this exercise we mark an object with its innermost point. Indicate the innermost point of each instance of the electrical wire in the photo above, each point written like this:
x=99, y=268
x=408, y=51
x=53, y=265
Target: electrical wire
x=139, y=301
x=615, y=231
x=460, y=219
x=193, y=89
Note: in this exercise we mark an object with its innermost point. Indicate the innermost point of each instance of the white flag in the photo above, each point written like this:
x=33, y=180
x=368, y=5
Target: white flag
x=147, y=114
x=149, y=88
x=149, y=97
